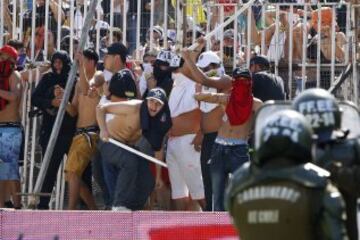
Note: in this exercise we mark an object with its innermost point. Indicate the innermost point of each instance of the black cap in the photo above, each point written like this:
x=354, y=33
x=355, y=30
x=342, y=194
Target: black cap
x=117, y=49
x=123, y=85
x=158, y=94
x=260, y=60
x=241, y=72
x=91, y=54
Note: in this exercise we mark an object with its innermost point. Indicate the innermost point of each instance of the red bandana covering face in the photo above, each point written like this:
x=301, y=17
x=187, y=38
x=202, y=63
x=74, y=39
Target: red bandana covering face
x=6, y=69
x=240, y=103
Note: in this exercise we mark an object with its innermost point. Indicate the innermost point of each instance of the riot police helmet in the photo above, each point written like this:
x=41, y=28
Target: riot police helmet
x=322, y=111
x=285, y=135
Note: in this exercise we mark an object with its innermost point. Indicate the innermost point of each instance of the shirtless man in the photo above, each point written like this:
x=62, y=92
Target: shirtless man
x=10, y=127
x=128, y=176
x=114, y=61
x=213, y=80
x=230, y=150
x=84, y=143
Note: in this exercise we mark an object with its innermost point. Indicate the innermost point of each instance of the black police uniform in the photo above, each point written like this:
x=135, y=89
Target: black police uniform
x=341, y=156
x=280, y=195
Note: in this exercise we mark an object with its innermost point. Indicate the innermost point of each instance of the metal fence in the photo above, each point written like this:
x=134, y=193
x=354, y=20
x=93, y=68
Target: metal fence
x=282, y=31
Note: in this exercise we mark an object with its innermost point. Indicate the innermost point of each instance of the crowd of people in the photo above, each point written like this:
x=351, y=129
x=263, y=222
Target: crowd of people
x=193, y=110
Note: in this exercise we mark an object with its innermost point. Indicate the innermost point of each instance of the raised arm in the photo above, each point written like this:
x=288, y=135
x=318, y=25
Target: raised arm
x=73, y=107
x=55, y=8
x=222, y=83
x=220, y=98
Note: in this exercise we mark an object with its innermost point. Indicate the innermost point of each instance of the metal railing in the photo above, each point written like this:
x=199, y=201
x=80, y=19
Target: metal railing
x=259, y=29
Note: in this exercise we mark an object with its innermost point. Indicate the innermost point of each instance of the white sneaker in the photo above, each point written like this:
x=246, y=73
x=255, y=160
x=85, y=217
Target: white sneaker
x=120, y=209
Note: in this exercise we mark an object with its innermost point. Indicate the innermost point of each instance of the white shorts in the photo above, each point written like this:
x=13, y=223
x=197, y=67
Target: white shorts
x=184, y=168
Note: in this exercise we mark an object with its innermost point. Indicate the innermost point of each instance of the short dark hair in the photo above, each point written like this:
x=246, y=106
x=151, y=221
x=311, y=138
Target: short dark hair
x=91, y=54
x=17, y=44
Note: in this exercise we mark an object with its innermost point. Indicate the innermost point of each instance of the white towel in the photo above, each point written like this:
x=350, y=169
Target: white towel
x=182, y=99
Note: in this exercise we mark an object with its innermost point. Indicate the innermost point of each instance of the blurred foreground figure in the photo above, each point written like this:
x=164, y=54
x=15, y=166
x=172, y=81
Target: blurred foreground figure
x=281, y=194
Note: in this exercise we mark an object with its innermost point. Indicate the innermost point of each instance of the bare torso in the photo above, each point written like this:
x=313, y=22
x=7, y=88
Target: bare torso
x=186, y=123
x=241, y=131
x=87, y=111
x=125, y=127
x=211, y=121
x=11, y=111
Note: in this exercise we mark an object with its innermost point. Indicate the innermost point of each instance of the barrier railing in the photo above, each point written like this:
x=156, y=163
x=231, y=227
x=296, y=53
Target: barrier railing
x=284, y=32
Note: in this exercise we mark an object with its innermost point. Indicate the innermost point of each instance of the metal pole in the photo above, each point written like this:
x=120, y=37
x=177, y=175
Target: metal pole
x=224, y=24
x=178, y=25
x=221, y=33
x=46, y=39
x=263, y=27
x=248, y=41
x=58, y=39
x=277, y=48
x=62, y=185
x=184, y=22
x=152, y=24
x=124, y=22
x=136, y=152
x=318, y=52
x=333, y=45
x=31, y=79
x=97, y=27
x=21, y=14
x=111, y=21
x=72, y=16
x=305, y=32
x=14, y=19
x=355, y=15
x=166, y=9
x=236, y=40
x=61, y=112
x=291, y=49
x=33, y=143
x=138, y=26
x=1, y=23
x=348, y=31
x=209, y=16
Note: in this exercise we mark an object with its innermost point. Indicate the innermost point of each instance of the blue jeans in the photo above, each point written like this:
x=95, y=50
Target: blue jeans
x=206, y=148
x=127, y=177
x=225, y=160
x=98, y=173
x=10, y=148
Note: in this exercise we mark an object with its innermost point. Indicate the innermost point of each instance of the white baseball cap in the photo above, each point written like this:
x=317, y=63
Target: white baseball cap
x=206, y=58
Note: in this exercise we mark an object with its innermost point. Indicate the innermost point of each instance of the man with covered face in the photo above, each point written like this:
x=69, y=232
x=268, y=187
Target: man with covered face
x=47, y=97
x=162, y=72
x=230, y=150
x=10, y=127
x=127, y=175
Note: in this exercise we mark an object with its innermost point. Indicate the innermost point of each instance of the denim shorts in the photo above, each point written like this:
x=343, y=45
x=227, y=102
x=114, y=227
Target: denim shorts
x=10, y=146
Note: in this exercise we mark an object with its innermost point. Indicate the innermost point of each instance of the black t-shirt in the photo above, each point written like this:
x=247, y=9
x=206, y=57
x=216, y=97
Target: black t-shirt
x=266, y=86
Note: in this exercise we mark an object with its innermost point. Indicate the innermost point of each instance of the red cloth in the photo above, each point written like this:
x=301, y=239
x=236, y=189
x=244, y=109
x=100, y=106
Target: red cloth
x=227, y=8
x=6, y=69
x=239, y=107
x=9, y=51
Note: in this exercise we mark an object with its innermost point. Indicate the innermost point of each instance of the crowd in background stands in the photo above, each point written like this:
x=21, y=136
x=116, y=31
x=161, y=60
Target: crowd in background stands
x=155, y=70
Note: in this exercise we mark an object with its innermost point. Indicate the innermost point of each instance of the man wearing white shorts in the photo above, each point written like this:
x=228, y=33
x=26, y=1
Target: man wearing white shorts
x=182, y=158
